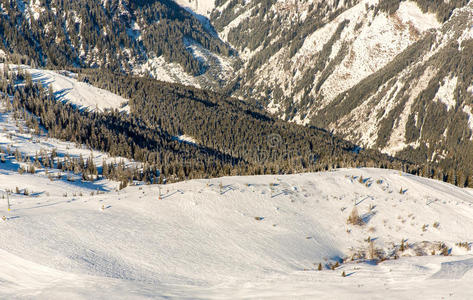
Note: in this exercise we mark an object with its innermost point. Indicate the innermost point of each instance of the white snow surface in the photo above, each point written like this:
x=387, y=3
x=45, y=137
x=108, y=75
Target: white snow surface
x=186, y=139
x=67, y=88
x=160, y=69
x=445, y=93
x=410, y=13
x=201, y=7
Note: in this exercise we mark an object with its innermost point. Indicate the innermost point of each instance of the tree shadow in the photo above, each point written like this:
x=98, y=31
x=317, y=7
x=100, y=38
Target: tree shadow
x=37, y=194
x=362, y=200
x=283, y=192
x=59, y=95
x=367, y=216
x=226, y=191
x=371, y=262
x=172, y=194
x=86, y=185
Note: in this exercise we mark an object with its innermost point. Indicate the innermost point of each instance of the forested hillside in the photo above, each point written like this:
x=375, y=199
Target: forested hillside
x=391, y=76
x=243, y=130
x=116, y=34
x=229, y=136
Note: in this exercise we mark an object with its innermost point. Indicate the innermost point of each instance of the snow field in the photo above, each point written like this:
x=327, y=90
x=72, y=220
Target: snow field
x=239, y=237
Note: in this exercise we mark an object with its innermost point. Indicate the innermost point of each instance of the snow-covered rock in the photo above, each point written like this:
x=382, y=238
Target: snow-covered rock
x=201, y=7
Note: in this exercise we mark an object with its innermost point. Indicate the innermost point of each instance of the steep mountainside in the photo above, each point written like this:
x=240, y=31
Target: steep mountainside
x=420, y=104
x=392, y=75
x=157, y=38
x=300, y=55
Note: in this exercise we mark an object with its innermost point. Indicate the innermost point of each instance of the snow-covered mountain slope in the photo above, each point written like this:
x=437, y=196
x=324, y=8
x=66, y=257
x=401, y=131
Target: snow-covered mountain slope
x=390, y=75
x=217, y=69
x=150, y=38
x=67, y=88
x=20, y=146
x=240, y=237
x=328, y=50
x=417, y=105
x=303, y=54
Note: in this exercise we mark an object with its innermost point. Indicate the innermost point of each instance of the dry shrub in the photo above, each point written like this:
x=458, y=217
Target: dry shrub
x=355, y=218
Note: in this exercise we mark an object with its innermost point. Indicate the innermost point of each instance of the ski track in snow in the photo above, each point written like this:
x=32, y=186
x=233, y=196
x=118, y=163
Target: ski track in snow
x=454, y=269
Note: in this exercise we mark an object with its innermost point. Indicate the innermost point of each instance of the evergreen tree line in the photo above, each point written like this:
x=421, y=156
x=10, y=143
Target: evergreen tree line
x=116, y=134
x=242, y=130
x=224, y=124
x=85, y=167
x=230, y=126
x=232, y=137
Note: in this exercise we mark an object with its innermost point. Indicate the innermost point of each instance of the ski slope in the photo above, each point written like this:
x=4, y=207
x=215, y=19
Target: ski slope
x=15, y=136
x=202, y=239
